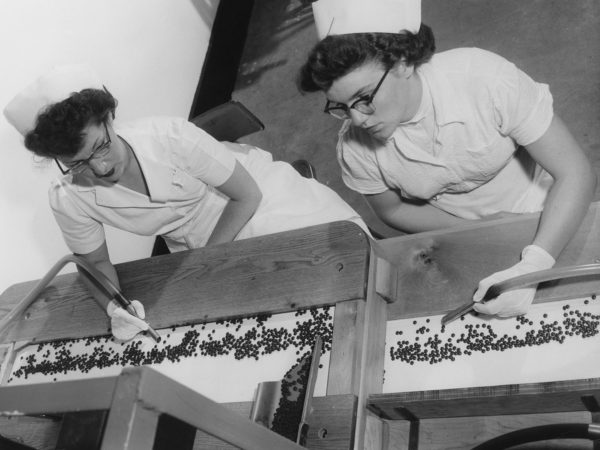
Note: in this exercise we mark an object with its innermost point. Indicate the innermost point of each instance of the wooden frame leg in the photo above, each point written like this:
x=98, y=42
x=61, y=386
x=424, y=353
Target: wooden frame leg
x=142, y=394
x=130, y=424
x=413, y=435
x=357, y=359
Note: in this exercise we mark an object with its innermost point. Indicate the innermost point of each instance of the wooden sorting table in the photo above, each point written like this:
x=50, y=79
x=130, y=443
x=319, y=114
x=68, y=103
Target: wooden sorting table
x=368, y=283
x=437, y=271
x=328, y=265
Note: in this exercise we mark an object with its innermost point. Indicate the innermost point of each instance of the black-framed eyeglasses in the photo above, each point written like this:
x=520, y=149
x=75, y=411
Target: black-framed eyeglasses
x=363, y=104
x=81, y=165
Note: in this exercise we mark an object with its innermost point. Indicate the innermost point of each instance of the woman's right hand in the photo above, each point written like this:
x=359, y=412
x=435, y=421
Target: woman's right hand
x=123, y=325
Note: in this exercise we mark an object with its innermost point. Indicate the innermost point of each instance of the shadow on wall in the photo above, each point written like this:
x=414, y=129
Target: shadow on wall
x=286, y=20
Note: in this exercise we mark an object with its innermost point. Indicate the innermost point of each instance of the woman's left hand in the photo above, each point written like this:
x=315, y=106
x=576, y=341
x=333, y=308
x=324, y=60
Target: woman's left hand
x=514, y=302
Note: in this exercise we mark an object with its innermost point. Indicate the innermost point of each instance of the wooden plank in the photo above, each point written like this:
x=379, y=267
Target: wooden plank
x=158, y=393
x=369, y=432
x=376, y=433
x=386, y=278
x=330, y=424
x=315, y=266
x=58, y=397
x=40, y=433
x=531, y=398
x=131, y=424
x=206, y=441
x=345, y=357
x=467, y=432
x=357, y=353
x=440, y=270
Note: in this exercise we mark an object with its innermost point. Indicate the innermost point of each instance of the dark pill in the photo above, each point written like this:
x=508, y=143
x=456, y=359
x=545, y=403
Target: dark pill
x=485, y=340
x=249, y=346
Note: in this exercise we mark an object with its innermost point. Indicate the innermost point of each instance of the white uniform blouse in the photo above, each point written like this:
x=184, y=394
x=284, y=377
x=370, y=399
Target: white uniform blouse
x=459, y=151
x=182, y=166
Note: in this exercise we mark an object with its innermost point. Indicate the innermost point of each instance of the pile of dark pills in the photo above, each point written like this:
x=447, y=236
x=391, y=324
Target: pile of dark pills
x=287, y=416
x=433, y=344
x=257, y=338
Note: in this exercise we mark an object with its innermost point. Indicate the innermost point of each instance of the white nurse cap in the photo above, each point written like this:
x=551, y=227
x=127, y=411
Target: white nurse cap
x=366, y=16
x=53, y=87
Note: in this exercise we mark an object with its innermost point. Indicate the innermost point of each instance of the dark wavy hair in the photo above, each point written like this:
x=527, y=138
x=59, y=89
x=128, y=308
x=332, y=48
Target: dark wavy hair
x=336, y=56
x=59, y=127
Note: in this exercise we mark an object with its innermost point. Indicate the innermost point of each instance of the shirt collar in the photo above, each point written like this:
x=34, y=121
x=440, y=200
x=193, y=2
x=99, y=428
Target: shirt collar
x=160, y=178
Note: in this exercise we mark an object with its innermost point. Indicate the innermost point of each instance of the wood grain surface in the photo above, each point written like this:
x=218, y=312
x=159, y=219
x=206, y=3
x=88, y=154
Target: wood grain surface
x=331, y=422
x=439, y=271
x=314, y=266
x=529, y=398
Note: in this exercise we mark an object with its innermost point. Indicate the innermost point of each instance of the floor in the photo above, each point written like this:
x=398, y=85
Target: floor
x=554, y=41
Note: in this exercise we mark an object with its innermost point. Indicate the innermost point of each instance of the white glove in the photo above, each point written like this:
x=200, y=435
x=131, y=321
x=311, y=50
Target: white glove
x=516, y=301
x=123, y=325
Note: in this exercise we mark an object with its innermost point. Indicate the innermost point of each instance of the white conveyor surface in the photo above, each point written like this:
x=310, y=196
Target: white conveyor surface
x=223, y=378
x=575, y=358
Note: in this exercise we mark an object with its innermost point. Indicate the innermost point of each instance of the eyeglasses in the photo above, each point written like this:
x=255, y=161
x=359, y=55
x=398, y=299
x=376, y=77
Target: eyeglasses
x=363, y=104
x=81, y=165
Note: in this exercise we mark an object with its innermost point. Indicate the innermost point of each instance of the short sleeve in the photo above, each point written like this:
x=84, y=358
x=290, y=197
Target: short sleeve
x=360, y=170
x=81, y=233
x=523, y=107
x=201, y=155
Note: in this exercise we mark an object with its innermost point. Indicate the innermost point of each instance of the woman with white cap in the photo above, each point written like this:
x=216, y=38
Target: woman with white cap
x=157, y=176
x=434, y=140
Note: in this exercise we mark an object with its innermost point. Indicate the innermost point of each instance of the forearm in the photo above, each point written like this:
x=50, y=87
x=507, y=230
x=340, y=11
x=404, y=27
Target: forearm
x=235, y=215
x=99, y=258
x=107, y=269
x=566, y=206
x=574, y=184
x=416, y=218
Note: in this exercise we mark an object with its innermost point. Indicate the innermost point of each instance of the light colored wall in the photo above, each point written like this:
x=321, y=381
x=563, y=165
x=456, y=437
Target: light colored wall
x=149, y=54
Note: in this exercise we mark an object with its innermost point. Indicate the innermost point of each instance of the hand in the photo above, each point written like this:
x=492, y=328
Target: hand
x=514, y=302
x=123, y=325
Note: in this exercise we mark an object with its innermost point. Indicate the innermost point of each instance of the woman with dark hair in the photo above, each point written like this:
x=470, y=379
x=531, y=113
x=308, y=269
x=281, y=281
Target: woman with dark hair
x=156, y=176
x=434, y=140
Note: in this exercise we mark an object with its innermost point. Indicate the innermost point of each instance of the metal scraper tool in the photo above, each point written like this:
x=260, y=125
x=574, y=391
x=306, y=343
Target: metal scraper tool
x=522, y=281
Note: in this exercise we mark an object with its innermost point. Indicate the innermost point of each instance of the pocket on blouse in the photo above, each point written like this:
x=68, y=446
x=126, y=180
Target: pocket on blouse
x=483, y=162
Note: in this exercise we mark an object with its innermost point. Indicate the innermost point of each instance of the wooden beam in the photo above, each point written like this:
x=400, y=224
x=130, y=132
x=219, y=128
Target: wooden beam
x=439, y=271
x=331, y=423
x=530, y=398
x=37, y=432
x=132, y=423
x=357, y=355
x=58, y=397
x=370, y=432
x=136, y=400
x=469, y=432
x=144, y=393
x=345, y=357
x=314, y=266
